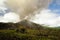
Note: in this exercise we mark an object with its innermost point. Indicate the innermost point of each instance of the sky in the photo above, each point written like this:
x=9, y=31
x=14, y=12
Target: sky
x=22, y=8
x=6, y=15
x=46, y=17
x=26, y=7
x=55, y=6
x=49, y=16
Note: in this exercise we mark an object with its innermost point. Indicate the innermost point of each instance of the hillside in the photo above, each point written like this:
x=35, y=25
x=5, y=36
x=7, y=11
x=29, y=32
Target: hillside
x=24, y=23
x=26, y=30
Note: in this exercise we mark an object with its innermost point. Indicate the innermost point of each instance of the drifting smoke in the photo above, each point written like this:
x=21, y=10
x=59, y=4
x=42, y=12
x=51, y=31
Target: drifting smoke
x=27, y=7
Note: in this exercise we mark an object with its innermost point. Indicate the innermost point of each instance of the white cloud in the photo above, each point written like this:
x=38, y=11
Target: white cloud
x=10, y=17
x=46, y=17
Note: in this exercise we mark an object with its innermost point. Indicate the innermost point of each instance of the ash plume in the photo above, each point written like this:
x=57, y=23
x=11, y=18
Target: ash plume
x=27, y=7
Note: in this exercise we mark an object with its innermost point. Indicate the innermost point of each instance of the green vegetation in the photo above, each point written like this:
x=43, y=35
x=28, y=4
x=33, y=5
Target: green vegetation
x=25, y=31
x=30, y=34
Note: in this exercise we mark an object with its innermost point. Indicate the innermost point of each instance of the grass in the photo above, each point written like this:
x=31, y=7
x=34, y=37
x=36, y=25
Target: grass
x=22, y=33
x=31, y=34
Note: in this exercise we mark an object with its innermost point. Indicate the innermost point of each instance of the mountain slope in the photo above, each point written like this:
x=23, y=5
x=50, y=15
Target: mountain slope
x=23, y=23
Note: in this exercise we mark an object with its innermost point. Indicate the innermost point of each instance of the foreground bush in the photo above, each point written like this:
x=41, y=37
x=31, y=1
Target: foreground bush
x=31, y=34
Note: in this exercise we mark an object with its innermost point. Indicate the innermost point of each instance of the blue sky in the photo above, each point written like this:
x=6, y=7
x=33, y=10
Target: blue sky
x=55, y=5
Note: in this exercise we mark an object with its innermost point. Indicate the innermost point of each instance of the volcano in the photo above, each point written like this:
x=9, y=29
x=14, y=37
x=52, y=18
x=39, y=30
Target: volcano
x=23, y=23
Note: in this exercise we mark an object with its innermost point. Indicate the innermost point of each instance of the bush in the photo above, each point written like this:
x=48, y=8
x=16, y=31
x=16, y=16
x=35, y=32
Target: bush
x=22, y=30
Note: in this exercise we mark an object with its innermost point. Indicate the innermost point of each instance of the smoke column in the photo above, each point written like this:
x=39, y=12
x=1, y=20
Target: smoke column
x=26, y=7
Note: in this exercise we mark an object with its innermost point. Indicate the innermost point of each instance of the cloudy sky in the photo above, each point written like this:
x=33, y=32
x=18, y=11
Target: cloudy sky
x=6, y=15
x=49, y=16
x=22, y=8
